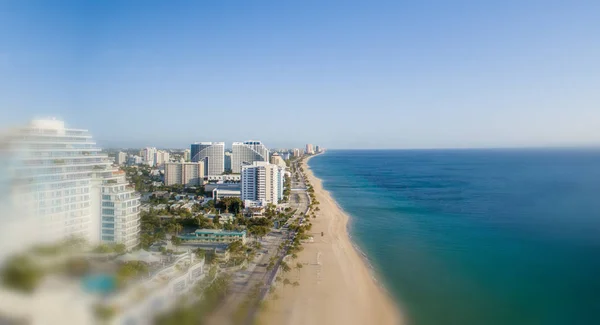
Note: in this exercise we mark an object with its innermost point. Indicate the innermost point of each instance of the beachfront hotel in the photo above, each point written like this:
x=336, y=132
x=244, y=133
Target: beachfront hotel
x=247, y=152
x=187, y=173
x=262, y=181
x=213, y=236
x=212, y=154
x=61, y=185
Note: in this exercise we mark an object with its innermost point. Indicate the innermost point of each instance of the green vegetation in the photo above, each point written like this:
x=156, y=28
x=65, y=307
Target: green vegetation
x=21, y=273
x=129, y=271
x=104, y=313
x=110, y=248
x=230, y=205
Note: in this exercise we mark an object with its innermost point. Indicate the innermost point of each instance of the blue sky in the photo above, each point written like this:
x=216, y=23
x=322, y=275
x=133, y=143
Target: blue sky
x=343, y=74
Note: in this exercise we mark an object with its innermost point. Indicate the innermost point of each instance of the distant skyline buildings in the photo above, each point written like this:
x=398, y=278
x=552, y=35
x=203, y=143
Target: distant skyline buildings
x=148, y=155
x=212, y=154
x=161, y=157
x=247, y=152
x=309, y=149
x=227, y=162
x=121, y=158
x=186, y=173
x=277, y=159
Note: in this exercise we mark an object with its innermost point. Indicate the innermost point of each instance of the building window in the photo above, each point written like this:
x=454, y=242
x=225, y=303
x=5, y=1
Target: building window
x=108, y=219
x=109, y=212
x=108, y=204
x=108, y=232
x=107, y=225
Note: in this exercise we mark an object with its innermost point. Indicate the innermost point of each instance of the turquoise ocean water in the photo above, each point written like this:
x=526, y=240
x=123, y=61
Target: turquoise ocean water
x=476, y=236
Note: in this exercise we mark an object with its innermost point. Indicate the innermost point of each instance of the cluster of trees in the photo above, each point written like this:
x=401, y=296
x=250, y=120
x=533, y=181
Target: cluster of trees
x=155, y=228
x=21, y=273
x=140, y=177
x=287, y=189
x=106, y=248
x=129, y=271
x=233, y=205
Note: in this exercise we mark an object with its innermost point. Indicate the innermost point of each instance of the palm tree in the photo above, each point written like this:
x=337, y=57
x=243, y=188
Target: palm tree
x=298, y=267
x=177, y=228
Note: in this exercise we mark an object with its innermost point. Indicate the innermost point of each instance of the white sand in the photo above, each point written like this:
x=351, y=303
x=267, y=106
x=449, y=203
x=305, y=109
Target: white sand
x=341, y=290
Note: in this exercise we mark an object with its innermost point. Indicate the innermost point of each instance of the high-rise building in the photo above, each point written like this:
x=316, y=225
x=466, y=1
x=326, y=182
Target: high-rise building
x=317, y=149
x=148, y=156
x=64, y=184
x=120, y=158
x=228, y=161
x=212, y=154
x=161, y=157
x=276, y=159
x=187, y=155
x=134, y=160
x=309, y=149
x=262, y=181
x=297, y=152
x=187, y=174
x=247, y=152
x=118, y=205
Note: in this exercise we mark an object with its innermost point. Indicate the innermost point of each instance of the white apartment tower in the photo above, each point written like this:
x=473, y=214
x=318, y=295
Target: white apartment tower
x=121, y=158
x=161, y=157
x=297, y=152
x=262, y=181
x=119, y=207
x=212, y=154
x=247, y=152
x=187, y=155
x=187, y=174
x=62, y=182
x=148, y=156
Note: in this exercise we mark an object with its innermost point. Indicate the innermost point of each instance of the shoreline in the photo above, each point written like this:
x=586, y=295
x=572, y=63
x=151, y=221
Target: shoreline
x=365, y=257
x=337, y=282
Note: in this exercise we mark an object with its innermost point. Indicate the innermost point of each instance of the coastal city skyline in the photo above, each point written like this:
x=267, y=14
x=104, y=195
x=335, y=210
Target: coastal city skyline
x=299, y=162
x=68, y=189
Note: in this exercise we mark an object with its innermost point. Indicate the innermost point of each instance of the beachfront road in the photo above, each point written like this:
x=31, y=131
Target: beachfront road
x=256, y=274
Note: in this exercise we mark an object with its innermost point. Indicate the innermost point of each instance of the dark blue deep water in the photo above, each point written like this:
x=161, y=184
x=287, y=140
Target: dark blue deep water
x=476, y=236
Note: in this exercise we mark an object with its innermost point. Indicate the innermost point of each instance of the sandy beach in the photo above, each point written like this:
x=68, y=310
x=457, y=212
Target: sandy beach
x=336, y=285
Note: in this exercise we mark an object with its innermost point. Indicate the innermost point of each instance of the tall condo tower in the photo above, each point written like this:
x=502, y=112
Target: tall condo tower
x=212, y=154
x=247, y=152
